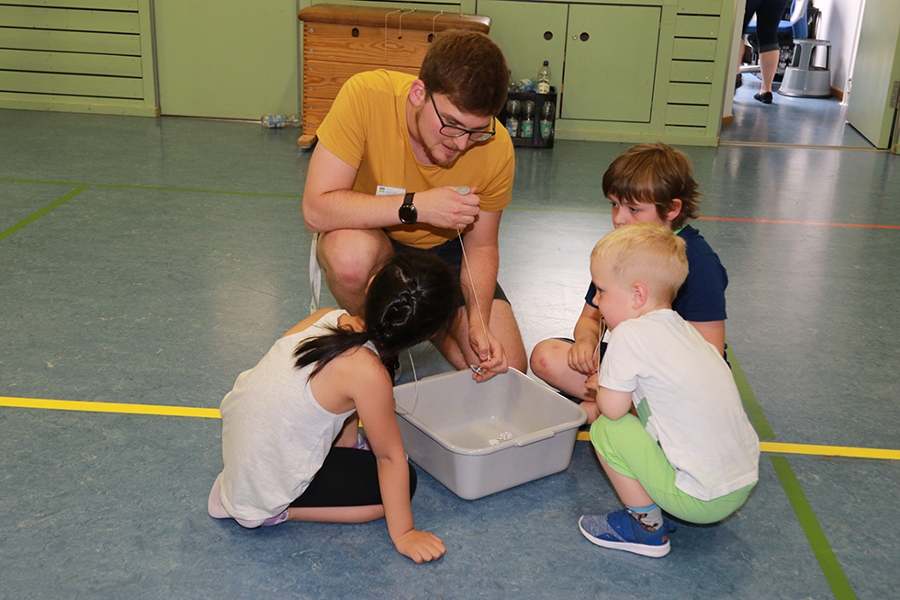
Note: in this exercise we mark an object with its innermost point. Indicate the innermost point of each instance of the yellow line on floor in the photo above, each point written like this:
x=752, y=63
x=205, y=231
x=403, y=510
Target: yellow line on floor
x=111, y=407
x=780, y=448
x=213, y=413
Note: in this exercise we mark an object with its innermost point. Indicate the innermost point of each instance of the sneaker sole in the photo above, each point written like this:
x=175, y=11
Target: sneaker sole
x=642, y=549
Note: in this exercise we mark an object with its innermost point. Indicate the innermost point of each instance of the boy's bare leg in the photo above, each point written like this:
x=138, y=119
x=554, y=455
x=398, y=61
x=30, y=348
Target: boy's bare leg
x=630, y=491
x=550, y=362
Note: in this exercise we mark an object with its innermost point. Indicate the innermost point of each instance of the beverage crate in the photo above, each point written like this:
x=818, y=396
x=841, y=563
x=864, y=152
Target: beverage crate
x=537, y=141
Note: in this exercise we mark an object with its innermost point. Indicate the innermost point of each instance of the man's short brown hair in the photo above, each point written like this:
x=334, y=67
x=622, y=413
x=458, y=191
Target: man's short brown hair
x=468, y=68
x=655, y=174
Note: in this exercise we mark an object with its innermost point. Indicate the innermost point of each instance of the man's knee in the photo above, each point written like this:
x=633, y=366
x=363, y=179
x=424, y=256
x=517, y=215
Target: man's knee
x=504, y=326
x=349, y=258
x=345, y=269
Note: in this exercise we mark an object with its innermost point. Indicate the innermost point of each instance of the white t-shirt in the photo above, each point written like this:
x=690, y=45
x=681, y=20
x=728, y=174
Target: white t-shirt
x=686, y=397
x=275, y=435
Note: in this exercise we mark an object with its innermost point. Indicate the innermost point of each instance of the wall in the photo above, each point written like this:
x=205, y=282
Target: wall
x=85, y=56
x=737, y=45
x=227, y=58
x=839, y=24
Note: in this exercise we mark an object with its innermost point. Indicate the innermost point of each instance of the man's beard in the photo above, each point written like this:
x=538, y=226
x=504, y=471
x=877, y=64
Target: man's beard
x=441, y=162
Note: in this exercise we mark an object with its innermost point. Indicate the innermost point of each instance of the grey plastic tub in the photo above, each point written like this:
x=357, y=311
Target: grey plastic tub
x=455, y=430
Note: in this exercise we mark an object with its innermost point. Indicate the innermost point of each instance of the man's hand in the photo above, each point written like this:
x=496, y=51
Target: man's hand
x=420, y=546
x=445, y=207
x=489, y=351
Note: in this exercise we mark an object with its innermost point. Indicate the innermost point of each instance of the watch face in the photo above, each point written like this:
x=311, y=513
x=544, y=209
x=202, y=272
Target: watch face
x=408, y=214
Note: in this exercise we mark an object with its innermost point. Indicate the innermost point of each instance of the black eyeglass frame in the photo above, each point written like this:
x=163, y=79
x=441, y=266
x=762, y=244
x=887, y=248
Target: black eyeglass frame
x=482, y=135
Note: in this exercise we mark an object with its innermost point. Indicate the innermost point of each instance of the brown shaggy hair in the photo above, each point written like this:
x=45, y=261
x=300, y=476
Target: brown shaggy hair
x=654, y=173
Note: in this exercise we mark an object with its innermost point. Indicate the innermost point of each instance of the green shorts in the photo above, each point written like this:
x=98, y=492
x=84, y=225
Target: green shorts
x=627, y=447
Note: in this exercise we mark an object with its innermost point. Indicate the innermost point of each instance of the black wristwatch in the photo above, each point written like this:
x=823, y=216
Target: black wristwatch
x=408, y=214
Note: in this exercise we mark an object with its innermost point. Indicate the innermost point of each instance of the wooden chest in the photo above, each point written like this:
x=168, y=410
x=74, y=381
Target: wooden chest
x=340, y=41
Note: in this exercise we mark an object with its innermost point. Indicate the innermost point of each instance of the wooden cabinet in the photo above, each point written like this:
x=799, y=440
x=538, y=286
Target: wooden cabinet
x=340, y=41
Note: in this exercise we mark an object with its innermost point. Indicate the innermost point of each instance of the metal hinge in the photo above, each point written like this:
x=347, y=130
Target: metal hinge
x=895, y=95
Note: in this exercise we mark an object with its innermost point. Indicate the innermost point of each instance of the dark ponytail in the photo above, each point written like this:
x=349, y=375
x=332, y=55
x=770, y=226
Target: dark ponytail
x=413, y=298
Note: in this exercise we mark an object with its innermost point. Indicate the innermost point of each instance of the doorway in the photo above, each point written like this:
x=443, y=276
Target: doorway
x=795, y=121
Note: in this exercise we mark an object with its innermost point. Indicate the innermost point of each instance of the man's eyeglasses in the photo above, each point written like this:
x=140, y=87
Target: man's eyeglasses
x=452, y=131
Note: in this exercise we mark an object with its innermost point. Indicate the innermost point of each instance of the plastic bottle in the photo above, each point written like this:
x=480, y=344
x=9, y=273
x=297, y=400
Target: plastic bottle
x=512, y=117
x=278, y=121
x=548, y=111
x=528, y=119
x=542, y=82
x=523, y=86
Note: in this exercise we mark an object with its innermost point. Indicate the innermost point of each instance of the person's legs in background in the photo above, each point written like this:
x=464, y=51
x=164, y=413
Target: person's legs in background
x=768, y=16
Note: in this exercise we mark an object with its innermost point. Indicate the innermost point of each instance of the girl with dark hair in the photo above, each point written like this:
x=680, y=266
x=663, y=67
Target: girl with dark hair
x=290, y=440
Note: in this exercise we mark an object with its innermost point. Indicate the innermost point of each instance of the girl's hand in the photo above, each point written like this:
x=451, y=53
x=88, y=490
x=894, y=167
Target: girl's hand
x=420, y=546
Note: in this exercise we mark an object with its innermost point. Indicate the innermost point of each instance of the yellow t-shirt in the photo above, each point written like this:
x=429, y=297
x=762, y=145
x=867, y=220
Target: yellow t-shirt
x=366, y=128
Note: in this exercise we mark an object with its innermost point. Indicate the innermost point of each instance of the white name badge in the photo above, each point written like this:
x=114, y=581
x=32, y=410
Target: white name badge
x=383, y=190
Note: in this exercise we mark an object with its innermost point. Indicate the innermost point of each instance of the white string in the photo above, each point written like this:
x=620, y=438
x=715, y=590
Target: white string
x=315, y=275
x=399, y=10
x=602, y=333
x=416, y=384
x=432, y=23
x=472, y=283
x=402, y=12
x=400, y=23
x=476, y=368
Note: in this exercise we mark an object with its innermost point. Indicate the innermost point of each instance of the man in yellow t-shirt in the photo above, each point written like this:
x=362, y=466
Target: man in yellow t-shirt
x=406, y=165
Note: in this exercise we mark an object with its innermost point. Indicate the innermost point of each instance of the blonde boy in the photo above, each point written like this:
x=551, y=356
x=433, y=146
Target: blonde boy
x=691, y=451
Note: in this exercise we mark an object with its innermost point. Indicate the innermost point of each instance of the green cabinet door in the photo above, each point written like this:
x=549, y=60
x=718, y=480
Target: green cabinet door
x=235, y=60
x=610, y=62
x=529, y=33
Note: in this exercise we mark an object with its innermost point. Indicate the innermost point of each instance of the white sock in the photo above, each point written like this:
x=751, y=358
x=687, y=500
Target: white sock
x=650, y=517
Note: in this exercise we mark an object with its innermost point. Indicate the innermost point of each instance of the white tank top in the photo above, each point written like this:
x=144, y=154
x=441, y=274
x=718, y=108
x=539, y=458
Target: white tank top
x=275, y=435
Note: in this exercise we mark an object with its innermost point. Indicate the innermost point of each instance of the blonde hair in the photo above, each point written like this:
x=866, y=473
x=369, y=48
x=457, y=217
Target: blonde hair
x=645, y=252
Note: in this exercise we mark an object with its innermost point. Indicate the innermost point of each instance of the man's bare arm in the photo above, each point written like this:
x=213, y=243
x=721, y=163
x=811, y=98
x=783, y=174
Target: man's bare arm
x=329, y=202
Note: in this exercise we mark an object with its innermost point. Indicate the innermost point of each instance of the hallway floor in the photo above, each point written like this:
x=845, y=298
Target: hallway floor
x=147, y=262
x=789, y=120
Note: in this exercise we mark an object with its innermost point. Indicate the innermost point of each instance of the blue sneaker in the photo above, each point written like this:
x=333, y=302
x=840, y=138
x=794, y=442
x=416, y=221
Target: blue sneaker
x=620, y=531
